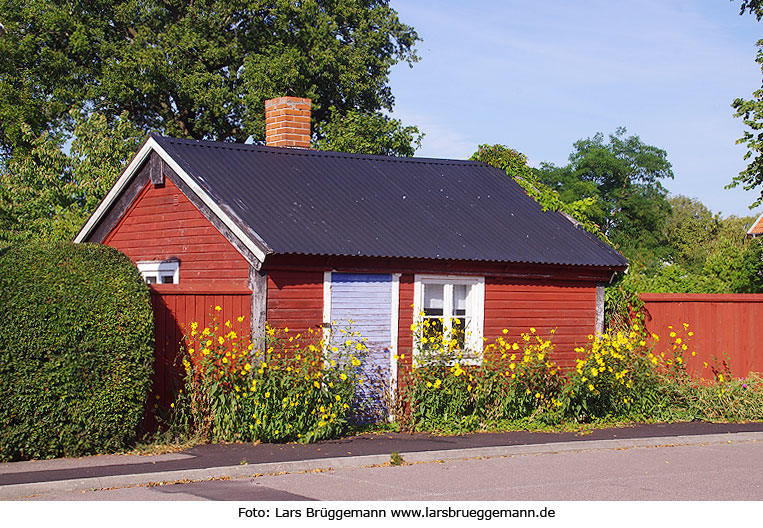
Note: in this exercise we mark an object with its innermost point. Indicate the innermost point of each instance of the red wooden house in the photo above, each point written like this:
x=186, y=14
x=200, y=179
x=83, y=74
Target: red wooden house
x=303, y=239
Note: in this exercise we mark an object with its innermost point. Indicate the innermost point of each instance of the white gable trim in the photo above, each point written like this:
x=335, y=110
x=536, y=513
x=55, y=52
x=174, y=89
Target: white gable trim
x=116, y=190
x=128, y=174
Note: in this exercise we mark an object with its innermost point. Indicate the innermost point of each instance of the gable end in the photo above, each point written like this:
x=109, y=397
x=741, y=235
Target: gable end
x=152, y=165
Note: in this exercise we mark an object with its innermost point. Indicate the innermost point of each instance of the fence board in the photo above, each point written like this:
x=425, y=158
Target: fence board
x=726, y=336
x=175, y=309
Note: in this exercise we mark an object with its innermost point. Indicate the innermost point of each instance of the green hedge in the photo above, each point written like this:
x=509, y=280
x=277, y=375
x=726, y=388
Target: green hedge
x=76, y=349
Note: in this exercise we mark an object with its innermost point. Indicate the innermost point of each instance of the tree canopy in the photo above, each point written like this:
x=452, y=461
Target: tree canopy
x=198, y=69
x=751, y=113
x=622, y=178
x=48, y=194
x=754, y=7
x=514, y=163
x=368, y=133
x=706, y=253
x=81, y=83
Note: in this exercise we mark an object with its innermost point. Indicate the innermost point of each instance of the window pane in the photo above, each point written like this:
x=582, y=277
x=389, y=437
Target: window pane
x=460, y=296
x=433, y=299
x=168, y=279
x=150, y=279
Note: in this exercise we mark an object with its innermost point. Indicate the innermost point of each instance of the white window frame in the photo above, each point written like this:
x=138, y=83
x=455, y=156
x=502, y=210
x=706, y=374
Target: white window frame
x=160, y=268
x=476, y=307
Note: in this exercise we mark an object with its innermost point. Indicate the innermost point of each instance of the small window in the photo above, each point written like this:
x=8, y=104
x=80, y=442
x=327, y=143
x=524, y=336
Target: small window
x=160, y=271
x=449, y=309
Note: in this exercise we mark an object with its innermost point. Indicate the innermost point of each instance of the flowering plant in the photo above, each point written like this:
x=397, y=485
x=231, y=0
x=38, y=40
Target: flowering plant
x=293, y=387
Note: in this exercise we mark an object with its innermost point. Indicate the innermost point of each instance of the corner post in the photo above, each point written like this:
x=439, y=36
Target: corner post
x=599, y=308
x=258, y=283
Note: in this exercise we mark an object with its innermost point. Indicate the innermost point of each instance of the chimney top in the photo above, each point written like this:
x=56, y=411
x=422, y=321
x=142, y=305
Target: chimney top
x=287, y=122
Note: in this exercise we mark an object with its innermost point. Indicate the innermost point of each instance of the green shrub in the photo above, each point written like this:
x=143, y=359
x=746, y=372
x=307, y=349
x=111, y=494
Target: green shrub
x=76, y=348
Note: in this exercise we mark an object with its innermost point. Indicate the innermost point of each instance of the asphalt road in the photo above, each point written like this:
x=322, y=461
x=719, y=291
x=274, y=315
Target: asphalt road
x=700, y=468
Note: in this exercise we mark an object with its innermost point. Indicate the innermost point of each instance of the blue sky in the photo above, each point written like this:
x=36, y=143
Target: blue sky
x=537, y=76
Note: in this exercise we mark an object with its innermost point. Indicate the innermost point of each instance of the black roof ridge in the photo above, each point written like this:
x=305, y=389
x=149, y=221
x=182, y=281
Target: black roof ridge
x=287, y=151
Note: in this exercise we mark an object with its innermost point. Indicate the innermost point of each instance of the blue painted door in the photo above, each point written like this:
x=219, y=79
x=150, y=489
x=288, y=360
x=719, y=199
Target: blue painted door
x=366, y=300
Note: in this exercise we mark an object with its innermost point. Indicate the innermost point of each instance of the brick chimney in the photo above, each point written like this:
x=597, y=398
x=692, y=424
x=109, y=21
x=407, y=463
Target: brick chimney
x=287, y=122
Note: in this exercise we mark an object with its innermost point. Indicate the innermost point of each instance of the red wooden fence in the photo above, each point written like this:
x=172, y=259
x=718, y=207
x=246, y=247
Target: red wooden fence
x=175, y=308
x=727, y=328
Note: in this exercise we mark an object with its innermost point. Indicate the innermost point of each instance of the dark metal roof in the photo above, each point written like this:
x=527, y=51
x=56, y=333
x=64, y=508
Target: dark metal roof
x=328, y=203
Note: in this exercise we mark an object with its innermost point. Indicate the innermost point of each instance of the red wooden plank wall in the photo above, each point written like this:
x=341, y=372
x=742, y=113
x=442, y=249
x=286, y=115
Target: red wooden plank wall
x=295, y=301
x=567, y=307
x=162, y=223
x=405, y=319
x=175, y=308
x=726, y=327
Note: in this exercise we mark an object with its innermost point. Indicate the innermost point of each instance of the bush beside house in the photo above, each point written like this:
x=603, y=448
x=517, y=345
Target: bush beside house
x=76, y=348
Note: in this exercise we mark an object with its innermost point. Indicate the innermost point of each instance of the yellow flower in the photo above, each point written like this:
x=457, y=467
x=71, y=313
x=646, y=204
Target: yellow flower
x=217, y=308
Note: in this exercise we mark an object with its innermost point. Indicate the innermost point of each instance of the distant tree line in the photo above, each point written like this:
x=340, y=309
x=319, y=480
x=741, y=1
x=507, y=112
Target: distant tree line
x=613, y=187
